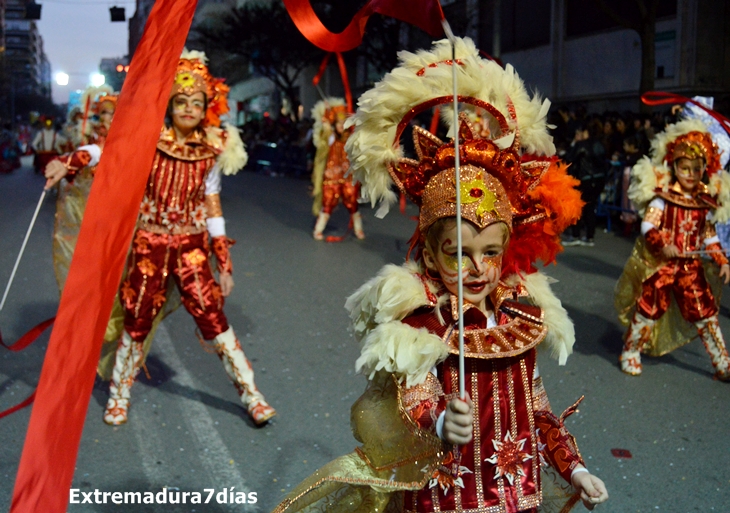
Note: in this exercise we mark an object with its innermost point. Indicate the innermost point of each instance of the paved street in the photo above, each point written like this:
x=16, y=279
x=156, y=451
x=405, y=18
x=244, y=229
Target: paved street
x=188, y=431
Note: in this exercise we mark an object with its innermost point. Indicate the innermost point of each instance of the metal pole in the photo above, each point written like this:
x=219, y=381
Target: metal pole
x=22, y=248
x=459, y=249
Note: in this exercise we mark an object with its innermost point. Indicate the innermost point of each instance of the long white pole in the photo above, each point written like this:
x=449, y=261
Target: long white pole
x=22, y=248
x=459, y=250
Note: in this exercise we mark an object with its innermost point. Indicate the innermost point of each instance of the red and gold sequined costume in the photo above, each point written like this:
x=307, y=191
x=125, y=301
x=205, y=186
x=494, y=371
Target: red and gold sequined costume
x=180, y=210
x=405, y=317
x=500, y=470
x=656, y=288
x=331, y=179
x=73, y=191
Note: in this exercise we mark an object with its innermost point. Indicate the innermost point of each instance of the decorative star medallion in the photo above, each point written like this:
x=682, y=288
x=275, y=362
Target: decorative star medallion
x=508, y=458
x=476, y=191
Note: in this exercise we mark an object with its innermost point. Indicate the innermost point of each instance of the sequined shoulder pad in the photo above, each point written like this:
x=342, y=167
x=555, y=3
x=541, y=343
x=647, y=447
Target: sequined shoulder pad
x=701, y=200
x=520, y=329
x=195, y=147
x=215, y=139
x=530, y=312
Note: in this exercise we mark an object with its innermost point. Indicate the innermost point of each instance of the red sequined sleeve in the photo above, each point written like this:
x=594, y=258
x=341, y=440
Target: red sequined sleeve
x=654, y=241
x=221, y=245
x=74, y=162
x=716, y=252
x=424, y=403
x=558, y=446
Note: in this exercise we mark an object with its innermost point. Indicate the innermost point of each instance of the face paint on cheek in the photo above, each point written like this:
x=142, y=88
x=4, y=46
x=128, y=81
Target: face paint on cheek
x=452, y=262
x=493, y=268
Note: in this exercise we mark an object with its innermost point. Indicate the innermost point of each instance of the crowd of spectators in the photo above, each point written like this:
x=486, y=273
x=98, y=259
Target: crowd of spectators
x=601, y=149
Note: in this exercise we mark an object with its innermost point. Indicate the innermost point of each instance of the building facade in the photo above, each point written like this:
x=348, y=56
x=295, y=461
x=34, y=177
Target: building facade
x=573, y=52
x=26, y=69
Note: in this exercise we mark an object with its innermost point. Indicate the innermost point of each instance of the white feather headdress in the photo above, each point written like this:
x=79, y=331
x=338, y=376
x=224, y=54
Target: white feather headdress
x=318, y=112
x=652, y=172
x=424, y=76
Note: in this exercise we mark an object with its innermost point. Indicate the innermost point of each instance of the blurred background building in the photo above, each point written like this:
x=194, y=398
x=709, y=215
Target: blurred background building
x=25, y=71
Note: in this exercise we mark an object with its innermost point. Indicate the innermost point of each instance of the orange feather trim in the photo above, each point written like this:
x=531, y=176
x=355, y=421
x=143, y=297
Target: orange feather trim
x=558, y=195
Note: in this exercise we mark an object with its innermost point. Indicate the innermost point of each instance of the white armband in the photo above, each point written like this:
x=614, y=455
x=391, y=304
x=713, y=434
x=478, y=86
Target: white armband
x=94, y=151
x=216, y=226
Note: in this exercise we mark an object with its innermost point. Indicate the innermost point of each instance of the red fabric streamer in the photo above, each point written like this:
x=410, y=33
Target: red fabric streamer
x=424, y=14
x=345, y=82
x=321, y=70
x=67, y=378
x=19, y=406
x=29, y=337
x=19, y=345
x=654, y=98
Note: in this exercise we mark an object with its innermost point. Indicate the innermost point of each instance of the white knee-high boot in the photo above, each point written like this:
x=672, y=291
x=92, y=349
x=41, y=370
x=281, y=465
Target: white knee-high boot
x=126, y=366
x=711, y=336
x=636, y=337
x=357, y=225
x=320, y=225
x=239, y=370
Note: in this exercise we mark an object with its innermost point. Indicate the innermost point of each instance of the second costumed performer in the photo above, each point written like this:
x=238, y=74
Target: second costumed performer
x=423, y=448
x=665, y=294
x=331, y=179
x=180, y=211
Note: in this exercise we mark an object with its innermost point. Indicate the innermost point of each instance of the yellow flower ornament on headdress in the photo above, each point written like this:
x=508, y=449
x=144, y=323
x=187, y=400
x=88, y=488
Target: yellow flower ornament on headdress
x=192, y=76
x=508, y=171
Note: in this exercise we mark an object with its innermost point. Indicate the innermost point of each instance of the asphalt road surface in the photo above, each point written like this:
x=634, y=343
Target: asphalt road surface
x=187, y=430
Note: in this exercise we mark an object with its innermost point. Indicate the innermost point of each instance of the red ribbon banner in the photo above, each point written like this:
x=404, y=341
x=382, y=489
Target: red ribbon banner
x=345, y=82
x=424, y=14
x=321, y=70
x=655, y=98
x=62, y=398
x=19, y=345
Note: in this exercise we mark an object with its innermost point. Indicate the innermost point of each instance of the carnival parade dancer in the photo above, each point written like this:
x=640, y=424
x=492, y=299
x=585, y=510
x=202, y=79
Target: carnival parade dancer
x=180, y=209
x=424, y=449
x=73, y=192
x=664, y=294
x=46, y=144
x=331, y=180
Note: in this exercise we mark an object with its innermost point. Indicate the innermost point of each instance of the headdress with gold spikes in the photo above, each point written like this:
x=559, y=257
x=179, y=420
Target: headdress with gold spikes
x=508, y=169
x=192, y=76
x=689, y=138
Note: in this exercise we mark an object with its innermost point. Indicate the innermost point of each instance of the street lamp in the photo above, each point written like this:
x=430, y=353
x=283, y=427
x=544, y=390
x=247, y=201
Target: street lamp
x=97, y=79
x=62, y=78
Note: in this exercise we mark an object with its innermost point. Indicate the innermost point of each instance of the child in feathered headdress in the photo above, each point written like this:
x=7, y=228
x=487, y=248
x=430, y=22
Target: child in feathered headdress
x=664, y=294
x=180, y=224
x=423, y=448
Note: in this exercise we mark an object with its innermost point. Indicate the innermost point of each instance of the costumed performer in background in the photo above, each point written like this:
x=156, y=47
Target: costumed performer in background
x=46, y=144
x=73, y=191
x=664, y=295
x=332, y=178
x=424, y=449
x=181, y=208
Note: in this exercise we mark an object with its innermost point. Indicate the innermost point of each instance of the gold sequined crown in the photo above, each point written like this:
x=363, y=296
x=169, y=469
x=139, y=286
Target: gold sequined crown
x=192, y=76
x=494, y=186
x=695, y=145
